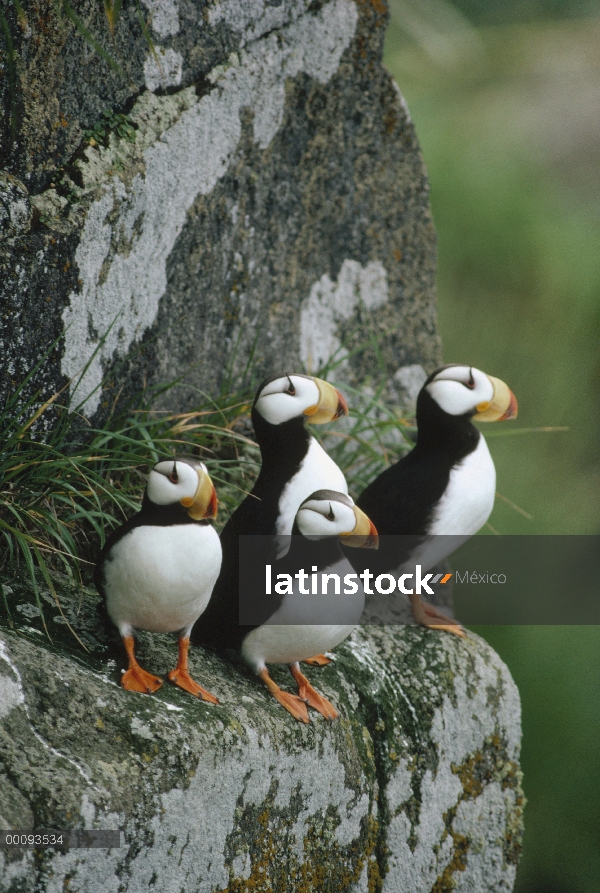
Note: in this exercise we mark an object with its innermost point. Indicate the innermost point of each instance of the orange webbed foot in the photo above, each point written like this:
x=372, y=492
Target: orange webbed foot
x=182, y=678
x=180, y=675
x=309, y=694
x=319, y=660
x=294, y=705
x=429, y=616
x=448, y=628
x=137, y=679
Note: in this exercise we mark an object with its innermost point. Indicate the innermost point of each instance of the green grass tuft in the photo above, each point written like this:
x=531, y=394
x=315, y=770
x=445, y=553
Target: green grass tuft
x=91, y=40
x=11, y=76
x=61, y=496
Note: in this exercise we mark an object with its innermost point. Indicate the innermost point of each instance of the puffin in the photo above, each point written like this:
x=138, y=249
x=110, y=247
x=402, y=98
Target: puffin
x=442, y=492
x=158, y=570
x=294, y=465
x=303, y=619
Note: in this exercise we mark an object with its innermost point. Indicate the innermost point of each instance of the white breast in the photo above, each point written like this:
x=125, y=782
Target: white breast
x=462, y=511
x=317, y=472
x=306, y=624
x=290, y=644
x=469, y=498
x=161, y=578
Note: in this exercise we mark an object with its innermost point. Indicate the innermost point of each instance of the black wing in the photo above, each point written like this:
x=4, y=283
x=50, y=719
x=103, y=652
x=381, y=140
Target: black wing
x=401, y=503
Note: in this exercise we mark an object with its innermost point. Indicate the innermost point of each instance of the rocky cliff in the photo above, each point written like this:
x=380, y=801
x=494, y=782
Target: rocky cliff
x=415, y=788
x=189, y=185
x=238, y=179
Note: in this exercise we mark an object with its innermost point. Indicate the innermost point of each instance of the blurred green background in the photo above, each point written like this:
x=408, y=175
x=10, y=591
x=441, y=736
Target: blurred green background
x=505, y=96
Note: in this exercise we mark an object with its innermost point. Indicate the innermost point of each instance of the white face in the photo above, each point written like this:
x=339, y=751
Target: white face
x=332, y=516
x=460, y=389
x=287, y=398
x=171, y=481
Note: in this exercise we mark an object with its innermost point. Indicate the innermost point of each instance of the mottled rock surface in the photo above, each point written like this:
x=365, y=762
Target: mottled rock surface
x=222, y=180
x=415, y=788
x=266, y=195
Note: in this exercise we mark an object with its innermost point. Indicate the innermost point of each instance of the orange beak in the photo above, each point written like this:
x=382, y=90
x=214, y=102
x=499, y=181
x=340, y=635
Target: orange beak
x=213, y=504
x=342, y=407
x=373, y=537
x=331, y=405
x=502, y=406
x=364, y=535
x=512, y=411
x=205, y=503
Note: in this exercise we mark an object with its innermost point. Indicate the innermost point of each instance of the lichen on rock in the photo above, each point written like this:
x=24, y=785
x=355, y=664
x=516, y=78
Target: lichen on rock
x=285, y=156
x=15, y=210
x=416, y=787
x=121, y=289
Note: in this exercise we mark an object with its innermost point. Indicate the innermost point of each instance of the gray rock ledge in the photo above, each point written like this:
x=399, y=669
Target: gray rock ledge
x=415, y=788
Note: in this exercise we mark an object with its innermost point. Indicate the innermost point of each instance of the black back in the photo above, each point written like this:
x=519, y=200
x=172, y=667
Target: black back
x=283, y=448
x=403, y=499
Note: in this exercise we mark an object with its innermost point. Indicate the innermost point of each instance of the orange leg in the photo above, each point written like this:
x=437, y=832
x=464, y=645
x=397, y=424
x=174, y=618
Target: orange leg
x=292, y=704
x=310, y=694
x=136, y=679
x=181, y=677
x=428, y=616
x=319, y=660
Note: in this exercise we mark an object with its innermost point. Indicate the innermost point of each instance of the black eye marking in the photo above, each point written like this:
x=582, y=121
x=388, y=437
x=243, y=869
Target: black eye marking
x=291, y=390
x=174, y=477
x=471, y=382
x=330, y=516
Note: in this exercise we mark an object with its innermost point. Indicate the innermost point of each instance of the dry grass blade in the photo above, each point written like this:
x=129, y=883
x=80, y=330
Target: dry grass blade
x=514, y=506
x=508, y=432
x=21, y=14
x=112, y=9
x=91, y=40
x=44, y=569
x=42, y=409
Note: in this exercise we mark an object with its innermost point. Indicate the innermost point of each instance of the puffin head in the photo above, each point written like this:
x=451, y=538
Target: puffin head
x=329, y=513
x=186, y=482
x=292, y=396
x=466, y=391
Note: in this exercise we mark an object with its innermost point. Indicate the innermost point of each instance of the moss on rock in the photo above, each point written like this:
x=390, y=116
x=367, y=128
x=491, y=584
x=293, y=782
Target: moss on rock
x=415, y=787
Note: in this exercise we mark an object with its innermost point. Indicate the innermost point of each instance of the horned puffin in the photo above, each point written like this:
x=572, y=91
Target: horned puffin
x=305, y=620
x=294, y=465
x=444, y=488
x=158, y=570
